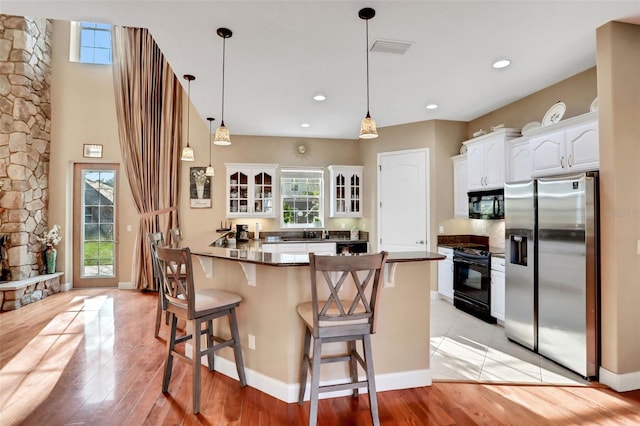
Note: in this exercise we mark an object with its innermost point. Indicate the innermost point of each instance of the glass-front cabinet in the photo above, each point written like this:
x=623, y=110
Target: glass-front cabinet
x=346, y=191
x=251, y=190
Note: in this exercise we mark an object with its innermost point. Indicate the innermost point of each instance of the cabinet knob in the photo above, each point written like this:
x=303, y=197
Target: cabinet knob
x=420, y=242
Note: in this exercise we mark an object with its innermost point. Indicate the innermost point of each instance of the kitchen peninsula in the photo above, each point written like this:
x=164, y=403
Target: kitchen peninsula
x=273, y=284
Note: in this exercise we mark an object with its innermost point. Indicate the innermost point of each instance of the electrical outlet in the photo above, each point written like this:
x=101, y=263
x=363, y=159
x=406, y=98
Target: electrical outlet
x=638, y=248
x=128, y=228
x=441, y=229
x=252, y=342
x=343, y=226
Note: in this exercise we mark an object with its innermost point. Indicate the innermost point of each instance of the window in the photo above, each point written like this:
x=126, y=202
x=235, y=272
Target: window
x=301, y=193
x=90, y=43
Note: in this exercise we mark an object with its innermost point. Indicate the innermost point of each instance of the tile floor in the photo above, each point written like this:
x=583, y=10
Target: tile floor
x=466, y=348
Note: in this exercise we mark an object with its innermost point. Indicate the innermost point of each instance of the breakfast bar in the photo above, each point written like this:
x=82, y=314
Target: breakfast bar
x=273, y=284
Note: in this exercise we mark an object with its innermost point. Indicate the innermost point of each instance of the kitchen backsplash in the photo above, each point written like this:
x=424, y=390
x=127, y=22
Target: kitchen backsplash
x=494, y=229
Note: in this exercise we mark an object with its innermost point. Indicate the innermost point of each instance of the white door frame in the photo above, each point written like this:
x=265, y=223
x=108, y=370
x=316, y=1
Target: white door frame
x=427, y=194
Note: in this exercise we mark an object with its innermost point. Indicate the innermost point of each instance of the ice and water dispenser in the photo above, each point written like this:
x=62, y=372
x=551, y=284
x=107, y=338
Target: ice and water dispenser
x=518, y=249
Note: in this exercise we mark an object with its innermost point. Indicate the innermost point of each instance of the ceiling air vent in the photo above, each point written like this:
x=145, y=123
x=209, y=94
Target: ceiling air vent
x=391, y=46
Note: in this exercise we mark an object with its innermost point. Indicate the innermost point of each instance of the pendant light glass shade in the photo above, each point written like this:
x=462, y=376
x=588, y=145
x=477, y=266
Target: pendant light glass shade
x=187, y=151
x=368, y=128
x=222, y=136
x=187, y=154
x=209, y=171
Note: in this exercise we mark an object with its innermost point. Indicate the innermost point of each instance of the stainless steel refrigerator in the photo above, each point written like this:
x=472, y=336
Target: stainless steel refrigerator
x=552, y=269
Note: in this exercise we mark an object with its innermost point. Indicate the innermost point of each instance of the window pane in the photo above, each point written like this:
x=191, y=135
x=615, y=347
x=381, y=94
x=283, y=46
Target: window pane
x=86, y=55
x=103, y=39
x=301, y=197
x=87, y=38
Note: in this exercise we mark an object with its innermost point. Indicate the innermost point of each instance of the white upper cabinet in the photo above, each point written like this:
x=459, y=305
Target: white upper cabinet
x=346, y=191
x=565, y=147
x=460, y=199
x=486, y=159
x=251, y=190
x=519, y=161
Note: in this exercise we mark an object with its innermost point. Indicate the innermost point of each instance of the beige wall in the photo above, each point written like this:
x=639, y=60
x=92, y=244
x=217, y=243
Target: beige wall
x=618, y=47
x=577, y=92
x=83, y=111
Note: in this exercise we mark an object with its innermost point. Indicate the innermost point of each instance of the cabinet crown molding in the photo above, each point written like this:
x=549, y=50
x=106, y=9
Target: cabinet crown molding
x=561, y=125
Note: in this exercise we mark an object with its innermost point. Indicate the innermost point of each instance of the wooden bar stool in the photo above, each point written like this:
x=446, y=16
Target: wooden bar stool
x=196, y=307
x=348, y=319
x=156, y=239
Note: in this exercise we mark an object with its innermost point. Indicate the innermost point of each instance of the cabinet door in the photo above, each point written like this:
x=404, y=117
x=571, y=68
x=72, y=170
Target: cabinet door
x=445, y=273
x=548, y=153
x=475, y=166
x=237, y=192
x=519, y=162
x=263, y=192
x=321, y=248
x=582, y=147
x=460, y=198
x=497, y=295
x=346, y=191
x=494, y=164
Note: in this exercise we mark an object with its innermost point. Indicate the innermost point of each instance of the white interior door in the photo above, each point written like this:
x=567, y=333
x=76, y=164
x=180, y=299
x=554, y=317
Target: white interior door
x=403, y=213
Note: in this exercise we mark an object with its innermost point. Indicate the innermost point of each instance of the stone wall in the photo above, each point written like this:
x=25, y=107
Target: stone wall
x=25, y=137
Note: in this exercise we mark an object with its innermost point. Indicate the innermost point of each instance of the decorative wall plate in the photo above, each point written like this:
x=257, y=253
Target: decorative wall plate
x=530, y=126
x=554, y=114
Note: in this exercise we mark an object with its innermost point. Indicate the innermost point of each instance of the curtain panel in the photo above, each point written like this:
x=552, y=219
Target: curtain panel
x=149, y=111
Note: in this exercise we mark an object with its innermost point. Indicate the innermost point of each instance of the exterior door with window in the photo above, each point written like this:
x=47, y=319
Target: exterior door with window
x=95, y=231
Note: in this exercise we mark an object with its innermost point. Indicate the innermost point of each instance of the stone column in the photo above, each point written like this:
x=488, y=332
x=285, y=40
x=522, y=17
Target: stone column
x=25, y=137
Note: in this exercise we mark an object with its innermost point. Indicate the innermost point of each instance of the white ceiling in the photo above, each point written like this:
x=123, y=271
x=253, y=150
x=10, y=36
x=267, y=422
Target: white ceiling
x=284, y=52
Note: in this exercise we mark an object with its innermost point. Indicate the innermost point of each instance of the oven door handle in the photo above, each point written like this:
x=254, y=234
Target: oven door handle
x=468, y=262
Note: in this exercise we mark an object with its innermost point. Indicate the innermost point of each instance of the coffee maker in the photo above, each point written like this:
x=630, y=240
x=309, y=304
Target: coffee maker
x=242, y=233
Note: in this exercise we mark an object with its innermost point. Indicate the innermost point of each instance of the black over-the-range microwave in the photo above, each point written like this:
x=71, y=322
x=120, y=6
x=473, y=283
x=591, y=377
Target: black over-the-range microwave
x=486, y=204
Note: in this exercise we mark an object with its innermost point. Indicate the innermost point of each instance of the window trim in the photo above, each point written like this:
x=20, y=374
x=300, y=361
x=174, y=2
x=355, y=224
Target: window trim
x=74, y=43
x=321, y=197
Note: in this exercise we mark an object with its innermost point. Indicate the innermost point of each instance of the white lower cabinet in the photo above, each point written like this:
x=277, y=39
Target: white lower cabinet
x=445, y=273
x=497, y=288
x=300, y=248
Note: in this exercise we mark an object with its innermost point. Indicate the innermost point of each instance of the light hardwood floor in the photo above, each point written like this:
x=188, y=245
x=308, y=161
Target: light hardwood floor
x=89, y=357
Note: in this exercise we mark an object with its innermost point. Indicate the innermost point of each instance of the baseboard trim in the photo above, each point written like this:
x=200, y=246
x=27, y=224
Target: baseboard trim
x=66, y=286
x=126, y=285
x=288, y=392
x=620, y=382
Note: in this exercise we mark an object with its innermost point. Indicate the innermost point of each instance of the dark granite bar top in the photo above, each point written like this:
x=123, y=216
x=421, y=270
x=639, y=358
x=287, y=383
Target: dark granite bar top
x=251, y=254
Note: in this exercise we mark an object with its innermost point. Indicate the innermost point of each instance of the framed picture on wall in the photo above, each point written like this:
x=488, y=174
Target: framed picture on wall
x=199, y=188
x=90, y=150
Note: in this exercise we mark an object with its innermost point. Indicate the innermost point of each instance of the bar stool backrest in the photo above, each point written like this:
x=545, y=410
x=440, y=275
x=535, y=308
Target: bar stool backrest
x=177, y=280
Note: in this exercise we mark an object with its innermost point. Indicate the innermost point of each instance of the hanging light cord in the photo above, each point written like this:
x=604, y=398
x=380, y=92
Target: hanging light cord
x=210, y=141
x=188, y=108
x=367, y=50
x=224, y=44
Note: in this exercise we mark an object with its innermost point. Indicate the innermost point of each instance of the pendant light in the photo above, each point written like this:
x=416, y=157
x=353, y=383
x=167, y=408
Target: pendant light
x=222, y=133
x=187, y=151
x=209, y=171
x=368, y=126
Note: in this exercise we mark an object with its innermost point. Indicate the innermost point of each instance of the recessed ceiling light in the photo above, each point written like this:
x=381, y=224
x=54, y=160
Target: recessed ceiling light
x=305, y=125
x=319, y=97
x=432, y=106
x=502, y=63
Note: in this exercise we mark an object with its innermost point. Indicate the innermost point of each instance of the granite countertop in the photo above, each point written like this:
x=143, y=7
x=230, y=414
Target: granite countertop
x=251, y=253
